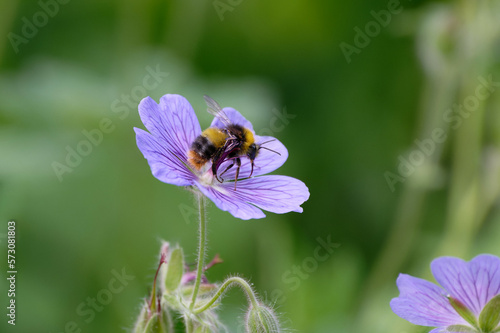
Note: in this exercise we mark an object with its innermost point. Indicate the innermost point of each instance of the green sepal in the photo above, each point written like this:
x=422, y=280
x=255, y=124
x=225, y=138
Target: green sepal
x=152, y=326
x=157, y=324
x=167, y=320
x=461, y=328
x=490, y=316
x=175, y=270
x=463, y=311
x=207, y=322
x=172, y=301
x=141, y=322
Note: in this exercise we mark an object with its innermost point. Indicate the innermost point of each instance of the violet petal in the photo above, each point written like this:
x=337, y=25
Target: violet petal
x=277, y=194
x=423, y=303
x=224, y=201
x=172, y=121
x=486, y=271
x=164, y=165
x=455, y=276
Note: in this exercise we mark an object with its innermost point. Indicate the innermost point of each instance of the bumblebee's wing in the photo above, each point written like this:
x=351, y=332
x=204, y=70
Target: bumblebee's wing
x=215, y=110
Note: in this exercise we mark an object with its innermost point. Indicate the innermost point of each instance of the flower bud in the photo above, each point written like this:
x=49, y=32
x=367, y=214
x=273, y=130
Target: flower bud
x=175, y=270
x=156, y=325
x=262, y=319
x=159, y=321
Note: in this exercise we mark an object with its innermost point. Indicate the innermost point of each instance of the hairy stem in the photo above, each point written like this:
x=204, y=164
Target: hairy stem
x=201, y=249
x=232, y=280
x=189, y=325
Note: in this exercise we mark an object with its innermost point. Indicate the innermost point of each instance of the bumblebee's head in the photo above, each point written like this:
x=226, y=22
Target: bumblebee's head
x=253, y=151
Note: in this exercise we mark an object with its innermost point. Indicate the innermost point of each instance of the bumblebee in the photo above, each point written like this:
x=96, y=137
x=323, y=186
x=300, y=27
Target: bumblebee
x=223, y=144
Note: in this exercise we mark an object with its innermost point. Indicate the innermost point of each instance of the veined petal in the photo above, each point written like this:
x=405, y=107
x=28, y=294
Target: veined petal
x=265, y=162
x=235, y=117
x=485, y=269
x=224, y=200
x=423, y=303
x=277, y=194
x=172, y=121
x=164, y=165
x=455, y=275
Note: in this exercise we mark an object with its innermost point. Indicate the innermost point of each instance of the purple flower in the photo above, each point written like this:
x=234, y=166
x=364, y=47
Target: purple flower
x=173, y=127
x=469, y=300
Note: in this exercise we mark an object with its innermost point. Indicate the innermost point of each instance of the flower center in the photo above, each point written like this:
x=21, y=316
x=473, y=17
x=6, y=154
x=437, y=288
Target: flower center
x=206, y=178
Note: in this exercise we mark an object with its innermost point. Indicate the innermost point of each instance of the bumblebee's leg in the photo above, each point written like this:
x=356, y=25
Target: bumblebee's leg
x=228, y=167
x=214, y=171
x=238, y=165
x=216, y=161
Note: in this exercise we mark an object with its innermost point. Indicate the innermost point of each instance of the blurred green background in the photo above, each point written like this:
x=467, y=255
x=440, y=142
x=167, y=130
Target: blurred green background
x=358, y=105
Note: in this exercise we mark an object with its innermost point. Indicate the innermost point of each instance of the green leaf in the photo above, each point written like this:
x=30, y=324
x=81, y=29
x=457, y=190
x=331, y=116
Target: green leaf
x=463, y=311
x=490, y=316
x=175, y=270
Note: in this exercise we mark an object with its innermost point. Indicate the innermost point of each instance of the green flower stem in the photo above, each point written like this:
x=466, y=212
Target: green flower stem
x=232, y=280
x=189, y=325
x=201, y=250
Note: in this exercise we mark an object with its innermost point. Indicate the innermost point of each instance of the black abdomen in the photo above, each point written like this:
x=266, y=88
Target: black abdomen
x=203, y=147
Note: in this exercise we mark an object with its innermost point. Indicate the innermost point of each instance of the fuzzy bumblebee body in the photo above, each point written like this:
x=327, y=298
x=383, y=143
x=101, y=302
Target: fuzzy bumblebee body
x=213, y=142
x=206, y=146
x=229, y=143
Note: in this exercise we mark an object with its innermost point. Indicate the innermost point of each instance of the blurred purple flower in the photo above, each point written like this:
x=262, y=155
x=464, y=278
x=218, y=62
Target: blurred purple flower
x=173, y=126
x=469, y=300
